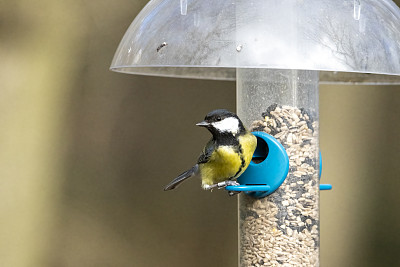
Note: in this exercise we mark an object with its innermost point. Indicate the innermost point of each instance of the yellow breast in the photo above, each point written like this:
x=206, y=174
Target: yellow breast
x=226, y=162
x=223, y=164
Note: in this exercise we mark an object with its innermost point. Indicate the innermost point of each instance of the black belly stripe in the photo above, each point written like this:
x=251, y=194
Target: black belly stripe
x=242, y=159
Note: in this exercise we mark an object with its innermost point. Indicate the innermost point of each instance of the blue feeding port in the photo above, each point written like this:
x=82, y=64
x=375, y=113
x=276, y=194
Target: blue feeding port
x=268, y=169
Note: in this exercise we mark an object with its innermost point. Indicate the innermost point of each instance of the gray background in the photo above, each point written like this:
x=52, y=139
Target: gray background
x=85, y=153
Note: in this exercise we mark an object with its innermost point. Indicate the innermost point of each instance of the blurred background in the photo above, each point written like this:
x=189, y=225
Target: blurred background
x=85, y=153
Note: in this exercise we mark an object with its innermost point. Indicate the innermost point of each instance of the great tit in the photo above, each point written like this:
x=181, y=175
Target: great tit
x=226, y=156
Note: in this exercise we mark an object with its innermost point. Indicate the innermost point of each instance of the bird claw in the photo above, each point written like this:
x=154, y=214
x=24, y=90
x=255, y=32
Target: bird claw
x=220, y=185
x=227, y=183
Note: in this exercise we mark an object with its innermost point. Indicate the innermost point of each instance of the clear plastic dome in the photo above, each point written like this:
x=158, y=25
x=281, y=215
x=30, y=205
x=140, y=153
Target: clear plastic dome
x=210, y=39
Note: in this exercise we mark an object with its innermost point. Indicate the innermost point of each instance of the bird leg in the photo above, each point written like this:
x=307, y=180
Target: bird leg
x=220, y=185
x=209, y=187
x=227, y=183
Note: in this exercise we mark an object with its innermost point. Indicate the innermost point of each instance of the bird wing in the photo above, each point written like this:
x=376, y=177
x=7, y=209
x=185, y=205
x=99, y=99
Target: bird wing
x=207, y=151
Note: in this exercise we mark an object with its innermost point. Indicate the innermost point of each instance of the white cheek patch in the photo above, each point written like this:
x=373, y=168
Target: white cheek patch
x=227, y=125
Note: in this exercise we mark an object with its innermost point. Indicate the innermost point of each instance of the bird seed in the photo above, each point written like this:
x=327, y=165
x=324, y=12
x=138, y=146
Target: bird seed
x=282, y=229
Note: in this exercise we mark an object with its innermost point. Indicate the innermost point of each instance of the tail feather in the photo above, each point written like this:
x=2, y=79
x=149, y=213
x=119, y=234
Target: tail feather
x=182, y=177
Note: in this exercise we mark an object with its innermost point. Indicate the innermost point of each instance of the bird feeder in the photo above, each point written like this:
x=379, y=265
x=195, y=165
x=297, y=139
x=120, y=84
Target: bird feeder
x=278, y=52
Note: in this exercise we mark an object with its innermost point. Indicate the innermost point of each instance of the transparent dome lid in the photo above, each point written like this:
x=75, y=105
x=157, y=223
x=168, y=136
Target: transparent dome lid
x=211, y=38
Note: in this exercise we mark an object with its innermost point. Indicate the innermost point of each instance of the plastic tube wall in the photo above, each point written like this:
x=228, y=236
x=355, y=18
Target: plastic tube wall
x=282, y=228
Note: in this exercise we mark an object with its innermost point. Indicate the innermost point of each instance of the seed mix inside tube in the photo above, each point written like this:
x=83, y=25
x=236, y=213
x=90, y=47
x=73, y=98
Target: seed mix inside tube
x=282, y=229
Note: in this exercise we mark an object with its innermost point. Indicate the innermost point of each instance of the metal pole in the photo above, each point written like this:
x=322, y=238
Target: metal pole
x=282, y=229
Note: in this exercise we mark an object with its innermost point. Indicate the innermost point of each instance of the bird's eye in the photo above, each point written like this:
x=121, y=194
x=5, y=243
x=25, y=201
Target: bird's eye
x=219, y=118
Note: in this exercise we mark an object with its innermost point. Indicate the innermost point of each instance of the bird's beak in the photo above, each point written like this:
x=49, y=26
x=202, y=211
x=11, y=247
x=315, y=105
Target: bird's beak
x=203, y=124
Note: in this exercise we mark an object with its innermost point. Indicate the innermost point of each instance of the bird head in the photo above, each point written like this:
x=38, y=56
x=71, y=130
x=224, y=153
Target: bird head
x=222, y=122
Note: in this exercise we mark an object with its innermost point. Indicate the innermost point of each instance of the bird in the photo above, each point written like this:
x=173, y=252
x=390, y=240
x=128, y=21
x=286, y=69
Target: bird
x=226, y=155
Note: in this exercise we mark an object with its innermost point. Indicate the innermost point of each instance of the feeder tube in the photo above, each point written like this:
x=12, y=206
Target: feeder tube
x=282, y=228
